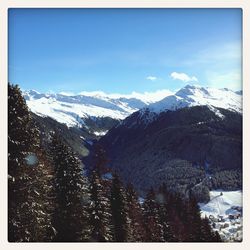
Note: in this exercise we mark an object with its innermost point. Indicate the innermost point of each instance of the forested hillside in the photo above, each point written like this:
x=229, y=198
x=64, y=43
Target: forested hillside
x=193, y=148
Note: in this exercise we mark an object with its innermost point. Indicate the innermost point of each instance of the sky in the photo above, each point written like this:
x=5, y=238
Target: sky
x=124, y=50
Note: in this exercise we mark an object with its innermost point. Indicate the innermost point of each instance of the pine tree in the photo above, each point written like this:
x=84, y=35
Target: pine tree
x=181, y=208
x=121, y=222
x=194, y=221
x=99, y=160
x=45, y=197
x=100, y=210
x=165, y=208
x=151, y=218
x=137, y=230
x=216, y=237
x=71, y=219
x=207, y=234
x=28, y=182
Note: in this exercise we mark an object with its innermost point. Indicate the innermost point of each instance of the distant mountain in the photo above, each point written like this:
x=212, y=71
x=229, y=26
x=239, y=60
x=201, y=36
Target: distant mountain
x=73, y=110
x=192, y=95
x=184, y=139
x=79, y=139
x=181, y=147
x=239, y=92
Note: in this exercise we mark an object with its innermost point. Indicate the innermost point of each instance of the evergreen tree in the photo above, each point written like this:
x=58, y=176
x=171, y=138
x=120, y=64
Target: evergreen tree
x=216, y=237
x=28, y=180
x=137, y=230
x=152, y=222
x=99, y=160
x=100, y=210
x=176, y=214
x=207, y=235
x=120, y=220
x=45, y=197
x=71, y=218
x=165, y=214
x=194, y=221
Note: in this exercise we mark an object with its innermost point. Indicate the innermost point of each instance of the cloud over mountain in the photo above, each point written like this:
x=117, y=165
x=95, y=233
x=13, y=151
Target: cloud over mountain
x=183, y=77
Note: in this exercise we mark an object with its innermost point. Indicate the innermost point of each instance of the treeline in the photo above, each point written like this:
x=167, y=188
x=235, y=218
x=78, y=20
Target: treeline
x=227, y=179
x=51, y=199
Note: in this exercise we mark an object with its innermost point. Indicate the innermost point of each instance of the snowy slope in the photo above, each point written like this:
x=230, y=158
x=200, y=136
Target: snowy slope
x=193, y=95
x=70, y=109
x=225, y=214
x=222, y=204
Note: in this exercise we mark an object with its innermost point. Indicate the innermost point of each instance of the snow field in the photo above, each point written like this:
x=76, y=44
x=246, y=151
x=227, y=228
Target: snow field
x=225, y=213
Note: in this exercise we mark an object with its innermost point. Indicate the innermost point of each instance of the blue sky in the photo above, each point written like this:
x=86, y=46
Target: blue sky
x=124, y=50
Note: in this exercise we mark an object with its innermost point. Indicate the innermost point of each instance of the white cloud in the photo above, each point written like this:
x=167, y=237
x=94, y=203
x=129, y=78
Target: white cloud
x=151, y=78
x=183, y=77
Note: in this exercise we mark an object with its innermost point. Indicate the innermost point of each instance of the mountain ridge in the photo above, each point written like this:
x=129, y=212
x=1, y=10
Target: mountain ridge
x=194, y=95
x=72, y=110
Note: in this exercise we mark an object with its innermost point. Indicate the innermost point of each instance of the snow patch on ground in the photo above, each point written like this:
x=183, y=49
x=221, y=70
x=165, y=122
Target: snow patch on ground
x=216, y=111
x=100, y=133
x=224, y=211
x=221, y=204
x=90, y=142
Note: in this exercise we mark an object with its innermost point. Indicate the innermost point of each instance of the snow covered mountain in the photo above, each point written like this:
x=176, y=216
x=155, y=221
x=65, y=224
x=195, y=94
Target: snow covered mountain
x=193, y=95
x=168, y=139
x=73, y=109
x=189, y=96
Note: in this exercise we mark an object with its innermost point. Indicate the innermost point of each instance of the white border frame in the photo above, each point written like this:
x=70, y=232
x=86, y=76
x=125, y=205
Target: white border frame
x=5, y=4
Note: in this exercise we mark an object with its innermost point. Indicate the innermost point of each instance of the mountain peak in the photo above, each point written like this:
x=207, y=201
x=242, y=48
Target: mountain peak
x=33, y=92
x=192, y=90
x=194, y=95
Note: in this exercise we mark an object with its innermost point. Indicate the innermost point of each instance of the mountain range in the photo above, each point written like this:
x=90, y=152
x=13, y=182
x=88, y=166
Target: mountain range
x=191, y=138
x=183, y=147
x=73, y=110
